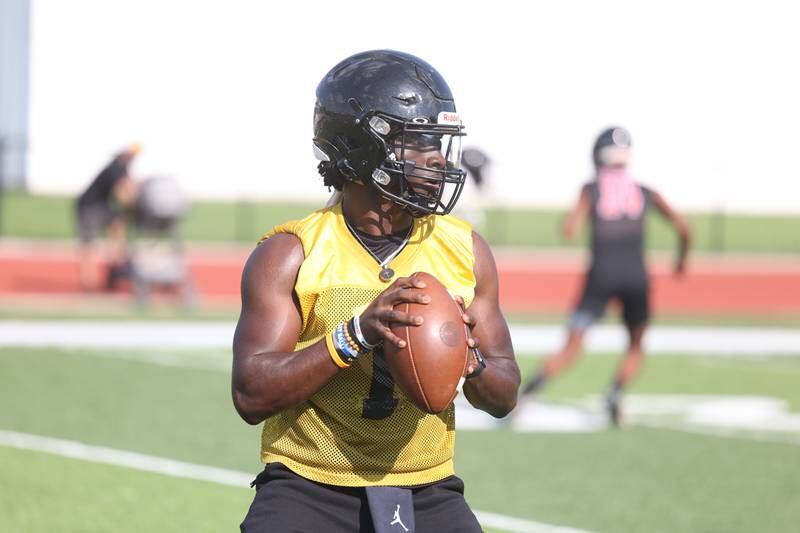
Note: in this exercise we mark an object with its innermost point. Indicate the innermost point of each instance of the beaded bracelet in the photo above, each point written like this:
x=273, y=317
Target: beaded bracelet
x=343, y=346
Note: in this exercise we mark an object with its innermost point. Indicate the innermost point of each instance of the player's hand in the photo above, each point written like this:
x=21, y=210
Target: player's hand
x=472, y=342
x=377, y=317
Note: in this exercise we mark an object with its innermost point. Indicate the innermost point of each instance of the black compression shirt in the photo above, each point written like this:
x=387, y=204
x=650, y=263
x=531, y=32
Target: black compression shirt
x=618, y=208
x=381, y=246
x=99, y=192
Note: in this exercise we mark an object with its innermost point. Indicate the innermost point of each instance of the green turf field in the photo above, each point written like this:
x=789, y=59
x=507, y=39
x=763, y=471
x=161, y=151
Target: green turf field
x=177, y=405
x=105, y=498
x=52, y=217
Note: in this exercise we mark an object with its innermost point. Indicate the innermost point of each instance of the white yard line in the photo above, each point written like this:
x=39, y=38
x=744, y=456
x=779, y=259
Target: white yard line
x=509, y=523
x=530, y=339
x=136, y=461
x=173, y=468
x=725, y=433
x=113, y=334
x=690, y=340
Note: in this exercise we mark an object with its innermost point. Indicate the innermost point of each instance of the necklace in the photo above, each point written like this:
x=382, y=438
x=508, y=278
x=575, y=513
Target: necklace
x=386, y=274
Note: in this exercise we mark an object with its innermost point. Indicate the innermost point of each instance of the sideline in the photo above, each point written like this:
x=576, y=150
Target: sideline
x=173, y=468
x=528, y=339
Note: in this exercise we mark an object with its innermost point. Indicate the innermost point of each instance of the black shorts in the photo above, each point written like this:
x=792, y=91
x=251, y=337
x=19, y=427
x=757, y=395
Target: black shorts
x=285, y=501
x=634, y=297
x=93, y=219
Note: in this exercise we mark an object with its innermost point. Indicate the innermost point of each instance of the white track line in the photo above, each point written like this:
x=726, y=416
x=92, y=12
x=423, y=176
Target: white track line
x=533, y=339
x=170, y=467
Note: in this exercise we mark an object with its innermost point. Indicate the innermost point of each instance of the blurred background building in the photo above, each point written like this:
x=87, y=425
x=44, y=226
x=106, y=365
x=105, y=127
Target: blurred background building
x=14, y=67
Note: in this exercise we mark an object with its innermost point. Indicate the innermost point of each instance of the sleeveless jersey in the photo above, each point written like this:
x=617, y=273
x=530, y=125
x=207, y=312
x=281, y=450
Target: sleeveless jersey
x=618, y=208
x=360, y=429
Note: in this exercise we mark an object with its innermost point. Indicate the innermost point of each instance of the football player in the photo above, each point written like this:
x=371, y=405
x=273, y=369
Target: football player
x=102, y=208
x=345, y=449
x=616, y=205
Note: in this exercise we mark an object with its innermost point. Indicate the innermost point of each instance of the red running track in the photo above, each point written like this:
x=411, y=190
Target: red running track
x=529, y=282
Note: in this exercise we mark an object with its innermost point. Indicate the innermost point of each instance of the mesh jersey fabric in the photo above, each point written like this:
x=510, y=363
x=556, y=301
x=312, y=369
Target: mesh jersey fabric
x=360, y=429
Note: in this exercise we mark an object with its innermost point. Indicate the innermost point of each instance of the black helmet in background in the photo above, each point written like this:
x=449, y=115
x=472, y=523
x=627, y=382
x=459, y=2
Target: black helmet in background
x=371, y=109
x=612, y=148
x=476, y=162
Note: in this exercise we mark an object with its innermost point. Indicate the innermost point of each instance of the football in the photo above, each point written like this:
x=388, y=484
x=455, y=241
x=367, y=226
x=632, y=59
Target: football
x=433, y=361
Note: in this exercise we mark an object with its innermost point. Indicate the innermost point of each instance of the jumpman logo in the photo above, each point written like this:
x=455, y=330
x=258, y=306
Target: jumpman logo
x=397, y=518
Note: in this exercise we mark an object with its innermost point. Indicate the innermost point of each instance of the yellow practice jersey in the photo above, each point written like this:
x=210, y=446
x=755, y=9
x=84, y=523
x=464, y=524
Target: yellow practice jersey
x=361, y=429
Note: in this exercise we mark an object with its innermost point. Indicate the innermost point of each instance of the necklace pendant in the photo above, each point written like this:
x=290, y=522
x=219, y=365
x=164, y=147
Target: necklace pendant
x=386, y=274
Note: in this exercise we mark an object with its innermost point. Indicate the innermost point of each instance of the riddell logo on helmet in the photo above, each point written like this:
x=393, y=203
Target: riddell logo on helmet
x=448, y=118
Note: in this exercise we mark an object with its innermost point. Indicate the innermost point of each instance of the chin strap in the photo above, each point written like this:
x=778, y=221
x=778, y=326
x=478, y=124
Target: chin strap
x=335, y=198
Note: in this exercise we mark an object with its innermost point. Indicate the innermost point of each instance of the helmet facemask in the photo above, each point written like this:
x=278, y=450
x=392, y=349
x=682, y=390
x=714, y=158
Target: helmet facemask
x=421, y=170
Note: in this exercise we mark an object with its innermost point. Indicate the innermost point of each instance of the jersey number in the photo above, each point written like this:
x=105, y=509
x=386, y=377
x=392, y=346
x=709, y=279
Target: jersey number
x=381, y=401
x=619, y=198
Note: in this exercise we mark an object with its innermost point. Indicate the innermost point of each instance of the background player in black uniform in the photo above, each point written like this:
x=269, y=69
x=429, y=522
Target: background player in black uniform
x=617, y=206
x=100, y=208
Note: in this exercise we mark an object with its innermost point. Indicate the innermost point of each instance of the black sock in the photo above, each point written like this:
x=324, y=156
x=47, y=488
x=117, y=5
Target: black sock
x=534, y=385
x=615, y=390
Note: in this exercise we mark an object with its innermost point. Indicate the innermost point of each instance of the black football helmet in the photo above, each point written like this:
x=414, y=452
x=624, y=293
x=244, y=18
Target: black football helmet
x=375, y=107
x=611, y=147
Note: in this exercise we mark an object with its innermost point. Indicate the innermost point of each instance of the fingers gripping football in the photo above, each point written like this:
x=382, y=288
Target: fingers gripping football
x=472, y=342
x=381, y=313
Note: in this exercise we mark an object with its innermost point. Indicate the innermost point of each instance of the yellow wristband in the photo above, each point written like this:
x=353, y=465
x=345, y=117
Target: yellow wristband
x=333, y=353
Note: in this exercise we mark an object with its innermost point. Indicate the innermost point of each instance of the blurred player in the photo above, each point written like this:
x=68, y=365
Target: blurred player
x=617, y=205
x=345, y=450
x=100, y=208
x=473, y=197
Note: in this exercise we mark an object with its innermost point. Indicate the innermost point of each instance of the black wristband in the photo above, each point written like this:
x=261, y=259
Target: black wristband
x=481, y=364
